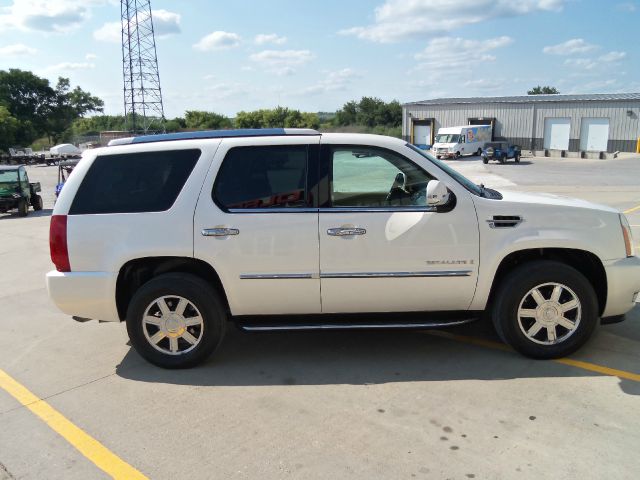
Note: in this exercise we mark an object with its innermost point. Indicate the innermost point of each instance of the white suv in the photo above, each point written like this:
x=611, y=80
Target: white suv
x=176, y=234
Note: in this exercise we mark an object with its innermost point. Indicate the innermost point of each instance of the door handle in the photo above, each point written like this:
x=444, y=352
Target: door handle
x=345, y=231
x=219, y=232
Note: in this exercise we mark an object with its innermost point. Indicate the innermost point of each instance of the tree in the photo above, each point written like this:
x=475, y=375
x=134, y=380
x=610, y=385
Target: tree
x=68, y=106
x=200, y=120
x=370, y=112
x=29, y=100
x=41, y=109
x=8, y=129
x=279, y=117
x=546, y=90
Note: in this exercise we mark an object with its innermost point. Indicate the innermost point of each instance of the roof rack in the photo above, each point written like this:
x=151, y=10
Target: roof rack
x=246, y=132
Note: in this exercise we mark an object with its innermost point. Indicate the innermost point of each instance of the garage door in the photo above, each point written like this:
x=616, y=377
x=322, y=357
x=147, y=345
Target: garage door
x=594, y=134
x=422, y=135
x=556, y=133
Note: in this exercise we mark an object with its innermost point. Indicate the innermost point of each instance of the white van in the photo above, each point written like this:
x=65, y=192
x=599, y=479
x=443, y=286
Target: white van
x=453, y=142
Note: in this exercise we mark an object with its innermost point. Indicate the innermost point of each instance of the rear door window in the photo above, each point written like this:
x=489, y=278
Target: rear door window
x=134, y=182
x=263, y=178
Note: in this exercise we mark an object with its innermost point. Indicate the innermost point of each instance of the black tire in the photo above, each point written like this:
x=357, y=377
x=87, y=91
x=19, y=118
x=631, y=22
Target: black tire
x=517, y=158
x=23, y=207
x=36, y=202
x=503, y=159
x=479, y=152
x=458, y=155
x=514, y=289
x=485, y=160
x=201, y=295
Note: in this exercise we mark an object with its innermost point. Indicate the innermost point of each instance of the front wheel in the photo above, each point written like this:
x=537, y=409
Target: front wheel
x=545, y=309
x=458, y=155
x=485, y=160
x=176, y=320
x=23, y=208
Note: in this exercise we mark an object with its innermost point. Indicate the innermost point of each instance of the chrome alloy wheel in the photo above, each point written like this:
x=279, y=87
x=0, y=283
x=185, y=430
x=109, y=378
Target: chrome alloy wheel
x=549, y=313
x=172, y=325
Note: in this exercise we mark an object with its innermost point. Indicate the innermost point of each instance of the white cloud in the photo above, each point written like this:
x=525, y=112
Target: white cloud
x=68, y=66
x=401, y=19
x=570, y=47
x=165, y=23
x=628, y=7
x=109, y=32
x=47, y=15
x=601, y=61
x=16, y=50
x=333, y=81
x=484, y=84
x=218, y=40
x=454, y=53
x=613, y=56
x=281, y=62
x=264, y=38
x=90, y=56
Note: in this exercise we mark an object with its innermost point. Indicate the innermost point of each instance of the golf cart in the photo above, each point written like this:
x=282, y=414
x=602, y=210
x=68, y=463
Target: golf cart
x=65, y=167
x=17, y=192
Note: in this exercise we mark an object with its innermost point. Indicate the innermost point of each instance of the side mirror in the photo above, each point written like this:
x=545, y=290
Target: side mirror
x=437, y=193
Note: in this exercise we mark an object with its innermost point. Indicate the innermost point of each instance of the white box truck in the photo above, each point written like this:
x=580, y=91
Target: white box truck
x=453, y=142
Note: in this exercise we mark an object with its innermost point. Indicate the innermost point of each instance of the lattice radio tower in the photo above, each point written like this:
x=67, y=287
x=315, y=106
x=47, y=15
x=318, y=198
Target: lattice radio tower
x=143, y=108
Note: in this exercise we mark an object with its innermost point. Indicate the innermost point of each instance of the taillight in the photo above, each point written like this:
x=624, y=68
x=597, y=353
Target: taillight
x=58, y=243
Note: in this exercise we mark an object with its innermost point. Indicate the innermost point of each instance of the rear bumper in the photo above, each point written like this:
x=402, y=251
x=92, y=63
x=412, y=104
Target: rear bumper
x=84, y=294
x=623, y=285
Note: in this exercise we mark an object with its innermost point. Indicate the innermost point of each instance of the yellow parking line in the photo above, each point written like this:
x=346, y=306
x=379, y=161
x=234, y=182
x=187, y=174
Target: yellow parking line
x=102, y=457
x=592, y=367
x=632, y=209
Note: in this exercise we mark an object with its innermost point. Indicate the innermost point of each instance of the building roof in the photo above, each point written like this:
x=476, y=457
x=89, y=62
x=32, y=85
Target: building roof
x=531, y=99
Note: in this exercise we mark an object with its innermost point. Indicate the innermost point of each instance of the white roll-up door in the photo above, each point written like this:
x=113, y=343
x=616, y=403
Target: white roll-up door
x=422, y=134
x=556, y=133
x=594, y=134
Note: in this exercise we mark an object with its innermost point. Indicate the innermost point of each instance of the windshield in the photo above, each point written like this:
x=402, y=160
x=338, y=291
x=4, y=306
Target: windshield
x=8, y=176
x=447, y=138
x=461, y=179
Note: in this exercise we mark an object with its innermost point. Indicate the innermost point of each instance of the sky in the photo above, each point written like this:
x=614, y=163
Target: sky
x=227, y=56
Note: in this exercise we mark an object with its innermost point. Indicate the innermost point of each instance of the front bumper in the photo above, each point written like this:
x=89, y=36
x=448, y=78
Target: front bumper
x=84, y=294
x=623, y=285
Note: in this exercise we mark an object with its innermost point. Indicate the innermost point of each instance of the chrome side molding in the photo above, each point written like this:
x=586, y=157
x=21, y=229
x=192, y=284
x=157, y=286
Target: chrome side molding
x=435, y=273
x=276, y=276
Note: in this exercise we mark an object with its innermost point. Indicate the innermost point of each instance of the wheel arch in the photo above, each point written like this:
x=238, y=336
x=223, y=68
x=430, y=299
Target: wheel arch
x=584, y=261
x=137, y=272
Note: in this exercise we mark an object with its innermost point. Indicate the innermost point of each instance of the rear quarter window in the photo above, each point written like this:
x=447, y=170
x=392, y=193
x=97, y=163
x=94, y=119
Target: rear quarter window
x=134, y=182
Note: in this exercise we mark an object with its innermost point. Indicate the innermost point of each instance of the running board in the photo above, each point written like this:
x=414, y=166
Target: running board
x=253, y=324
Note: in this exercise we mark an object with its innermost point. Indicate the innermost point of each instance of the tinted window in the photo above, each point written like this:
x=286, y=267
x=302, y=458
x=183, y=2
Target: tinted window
x=263, y=177
x=134, y=182
x=369, y=177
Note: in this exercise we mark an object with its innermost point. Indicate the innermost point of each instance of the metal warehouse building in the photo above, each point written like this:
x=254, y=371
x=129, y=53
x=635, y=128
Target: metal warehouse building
x=556, y=123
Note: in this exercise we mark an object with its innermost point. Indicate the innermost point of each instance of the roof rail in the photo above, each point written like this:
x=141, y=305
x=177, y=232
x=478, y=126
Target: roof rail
x=246, y=132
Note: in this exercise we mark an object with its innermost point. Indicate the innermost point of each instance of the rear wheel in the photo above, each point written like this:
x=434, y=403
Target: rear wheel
x=545, y=309
x=176, y=320
x=485, y=160
x=23, y=207
x=479, y=152
x=517, y=158
x=36, y=202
